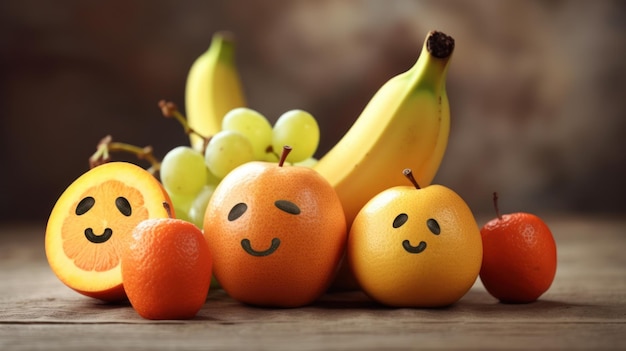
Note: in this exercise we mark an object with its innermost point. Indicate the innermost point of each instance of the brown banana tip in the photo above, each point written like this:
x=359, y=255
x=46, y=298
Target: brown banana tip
x=439, y=44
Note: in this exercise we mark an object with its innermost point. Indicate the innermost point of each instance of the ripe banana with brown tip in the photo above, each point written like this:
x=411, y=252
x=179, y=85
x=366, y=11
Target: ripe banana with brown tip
x=405, y=125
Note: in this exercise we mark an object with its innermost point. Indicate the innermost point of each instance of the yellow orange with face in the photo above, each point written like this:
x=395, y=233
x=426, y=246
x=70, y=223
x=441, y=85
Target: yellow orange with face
x=276, y=234
x=91, y=222
x=411, y=247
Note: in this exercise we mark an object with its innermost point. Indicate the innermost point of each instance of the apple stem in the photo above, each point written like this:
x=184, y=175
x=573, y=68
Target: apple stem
x=283, y=156
x=495, y=204
x=409, y=174
x=168, y=209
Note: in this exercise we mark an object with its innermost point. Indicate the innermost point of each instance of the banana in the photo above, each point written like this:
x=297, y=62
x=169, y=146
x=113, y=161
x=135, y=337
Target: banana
x=213, y=88
x=405, y=125
x=431, y=164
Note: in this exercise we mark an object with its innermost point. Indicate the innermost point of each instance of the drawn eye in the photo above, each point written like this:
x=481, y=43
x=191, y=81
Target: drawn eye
x=237, y=211
x=123, y=206
x=85, y=205
x=400, y=220
x=433, y=226
x=287, y=206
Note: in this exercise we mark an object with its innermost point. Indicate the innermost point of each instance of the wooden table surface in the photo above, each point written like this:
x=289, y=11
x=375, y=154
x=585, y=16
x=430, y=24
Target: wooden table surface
x=584, y=309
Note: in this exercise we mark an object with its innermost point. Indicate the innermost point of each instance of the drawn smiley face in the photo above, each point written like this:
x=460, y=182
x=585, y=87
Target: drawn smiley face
x=240, y=209
x=400, y=226
x=99, y=223
x=431, y=224
x=91, y=222
x=87, y=203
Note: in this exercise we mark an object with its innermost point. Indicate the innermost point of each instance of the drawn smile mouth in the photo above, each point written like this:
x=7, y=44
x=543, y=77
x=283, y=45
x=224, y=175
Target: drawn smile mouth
x=247, y=246
x=414, y=249
x=98, y=239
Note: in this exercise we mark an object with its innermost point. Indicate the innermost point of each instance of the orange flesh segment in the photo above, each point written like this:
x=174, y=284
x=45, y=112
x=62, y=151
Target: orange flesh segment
x=104, y=256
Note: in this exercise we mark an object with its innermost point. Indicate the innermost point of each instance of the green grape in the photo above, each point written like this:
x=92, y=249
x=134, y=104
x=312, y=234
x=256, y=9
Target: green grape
x=199, y=204
x=270, y=157
x=253, y=126
x=182, y=203
x=212, y=179
x=309, y=162
x=227, y=150
x=299, y=130
x=183, y=171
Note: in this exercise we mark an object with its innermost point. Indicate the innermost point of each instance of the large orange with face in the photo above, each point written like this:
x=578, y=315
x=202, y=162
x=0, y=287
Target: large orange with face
x=276, y=234
x=91, y=222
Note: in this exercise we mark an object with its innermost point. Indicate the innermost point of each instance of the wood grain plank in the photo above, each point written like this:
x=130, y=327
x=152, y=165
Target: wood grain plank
x=584, y=309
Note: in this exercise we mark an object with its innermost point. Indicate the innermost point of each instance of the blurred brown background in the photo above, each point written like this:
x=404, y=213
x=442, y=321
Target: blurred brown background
x=537, y=88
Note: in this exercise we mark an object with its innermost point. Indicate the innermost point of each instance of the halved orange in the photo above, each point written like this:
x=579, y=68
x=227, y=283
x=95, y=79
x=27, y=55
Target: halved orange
x=92, y=221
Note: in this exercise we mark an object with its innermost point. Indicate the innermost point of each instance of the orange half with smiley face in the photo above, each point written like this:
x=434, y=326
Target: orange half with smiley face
x=91, y=222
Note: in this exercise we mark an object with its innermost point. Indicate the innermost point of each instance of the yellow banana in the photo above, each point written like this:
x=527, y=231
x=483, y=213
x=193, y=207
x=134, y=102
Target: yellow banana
x=405, y=125
x=430, y=166
x=213, y=88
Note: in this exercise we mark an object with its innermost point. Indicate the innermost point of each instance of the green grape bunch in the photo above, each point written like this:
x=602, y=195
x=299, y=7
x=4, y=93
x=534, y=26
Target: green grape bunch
x=190, y=176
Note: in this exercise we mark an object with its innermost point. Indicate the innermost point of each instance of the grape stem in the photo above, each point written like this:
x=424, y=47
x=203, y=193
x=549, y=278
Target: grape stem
x=107, y=145
x=169, y=110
